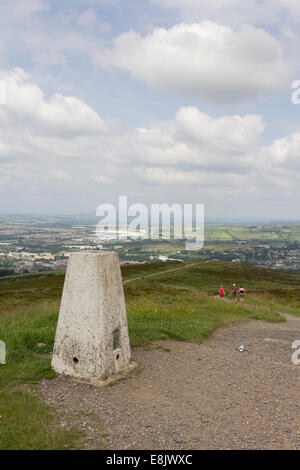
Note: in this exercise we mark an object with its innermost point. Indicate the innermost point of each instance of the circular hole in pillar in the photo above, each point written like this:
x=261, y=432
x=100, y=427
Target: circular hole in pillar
x=118, y=356
x=75, y=360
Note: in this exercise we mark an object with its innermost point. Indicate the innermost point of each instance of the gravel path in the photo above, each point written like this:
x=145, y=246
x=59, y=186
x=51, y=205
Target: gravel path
x=195, y=396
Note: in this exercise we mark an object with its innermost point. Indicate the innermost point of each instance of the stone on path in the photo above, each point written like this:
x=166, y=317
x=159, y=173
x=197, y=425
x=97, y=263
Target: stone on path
x=92, y=340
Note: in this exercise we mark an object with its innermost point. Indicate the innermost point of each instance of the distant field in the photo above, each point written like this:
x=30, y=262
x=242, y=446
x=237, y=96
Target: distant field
x=179, y=305
x=264, y=233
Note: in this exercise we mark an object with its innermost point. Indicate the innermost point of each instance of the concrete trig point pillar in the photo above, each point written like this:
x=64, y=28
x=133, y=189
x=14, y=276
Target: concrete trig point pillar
x=92, y=340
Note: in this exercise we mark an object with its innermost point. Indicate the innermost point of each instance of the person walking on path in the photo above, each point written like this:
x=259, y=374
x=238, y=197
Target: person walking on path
x=234, y=291
x=222, y=292
x=242, y=294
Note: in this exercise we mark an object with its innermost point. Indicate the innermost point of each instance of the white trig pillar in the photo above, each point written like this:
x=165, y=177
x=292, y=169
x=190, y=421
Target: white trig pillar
x=92, y=340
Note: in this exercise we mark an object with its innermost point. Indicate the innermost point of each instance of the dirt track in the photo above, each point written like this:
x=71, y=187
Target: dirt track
x=185, y=266
x=195, y=396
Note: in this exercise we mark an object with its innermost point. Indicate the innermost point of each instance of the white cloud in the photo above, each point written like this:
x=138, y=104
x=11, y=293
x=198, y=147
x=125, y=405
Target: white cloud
x=205, y=59
x=196, y=140
x=59, y=115
x=48, y=35
x=61, y=146
x=285, y=153
x=90, y=20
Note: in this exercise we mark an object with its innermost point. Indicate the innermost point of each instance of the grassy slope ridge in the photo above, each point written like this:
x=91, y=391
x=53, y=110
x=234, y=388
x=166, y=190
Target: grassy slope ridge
x=179, y=304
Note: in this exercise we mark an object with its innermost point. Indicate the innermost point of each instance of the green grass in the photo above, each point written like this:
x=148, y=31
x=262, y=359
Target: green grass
x=26, y=422
x=188, y=319
x=28, y=276
x=179, y=305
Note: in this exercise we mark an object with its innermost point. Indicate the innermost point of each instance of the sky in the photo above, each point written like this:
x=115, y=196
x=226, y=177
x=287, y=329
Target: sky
x=164, y=101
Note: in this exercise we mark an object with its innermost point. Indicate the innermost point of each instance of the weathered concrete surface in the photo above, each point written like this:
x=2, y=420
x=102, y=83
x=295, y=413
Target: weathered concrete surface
x=92, y=340
x=195, y=396
x=2, y=353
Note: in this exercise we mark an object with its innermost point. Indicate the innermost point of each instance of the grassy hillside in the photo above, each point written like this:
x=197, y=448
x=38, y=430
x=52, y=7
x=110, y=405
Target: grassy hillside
x=204, y=276
x=180, y=304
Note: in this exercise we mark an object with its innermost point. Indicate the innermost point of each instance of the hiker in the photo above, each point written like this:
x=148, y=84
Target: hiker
x=234, y=291
x=222, y=292
x=242, y=294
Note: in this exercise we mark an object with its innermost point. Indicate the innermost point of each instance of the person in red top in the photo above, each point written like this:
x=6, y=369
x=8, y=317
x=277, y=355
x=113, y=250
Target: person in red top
x=222, y=292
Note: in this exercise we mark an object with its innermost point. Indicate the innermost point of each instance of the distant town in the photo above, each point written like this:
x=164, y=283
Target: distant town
x=30, y=244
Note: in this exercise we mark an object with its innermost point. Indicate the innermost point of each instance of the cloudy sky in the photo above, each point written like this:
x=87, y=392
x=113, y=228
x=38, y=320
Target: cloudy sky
x=170, y=101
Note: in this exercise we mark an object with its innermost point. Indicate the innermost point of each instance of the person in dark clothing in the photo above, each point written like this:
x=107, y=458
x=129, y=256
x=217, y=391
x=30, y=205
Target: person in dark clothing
x=234, y=291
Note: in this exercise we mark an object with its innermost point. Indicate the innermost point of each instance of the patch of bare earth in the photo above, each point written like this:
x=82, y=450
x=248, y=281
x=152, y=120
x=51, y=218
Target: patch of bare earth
x=195, y=396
